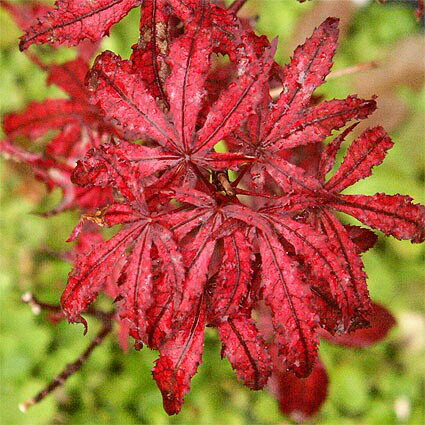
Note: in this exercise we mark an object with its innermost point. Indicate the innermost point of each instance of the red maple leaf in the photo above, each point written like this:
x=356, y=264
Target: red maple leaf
x=77, y=126
x=180, y=150
x=151, y=256
x=76, y=20
x=301, y=398
x=290, y=121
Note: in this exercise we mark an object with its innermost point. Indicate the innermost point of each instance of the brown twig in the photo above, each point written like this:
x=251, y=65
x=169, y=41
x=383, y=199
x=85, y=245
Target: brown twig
x=236, y=6
x=70, y=369
x=37, y=307
x=365, y=66
x=274, y=93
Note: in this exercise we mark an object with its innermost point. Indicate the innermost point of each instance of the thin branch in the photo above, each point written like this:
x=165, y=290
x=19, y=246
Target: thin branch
x=70, y=369
x=236, y=6
x=37, y=307
x=34, y=59
x=365, y=66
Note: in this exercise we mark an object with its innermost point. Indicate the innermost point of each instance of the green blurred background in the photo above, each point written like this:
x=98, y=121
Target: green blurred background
x=382, y=385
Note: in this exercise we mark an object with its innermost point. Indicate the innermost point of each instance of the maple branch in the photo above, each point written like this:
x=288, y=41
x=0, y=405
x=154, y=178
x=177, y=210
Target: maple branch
x=34, y=59
x=70, y=368
x=365, y=66
x=37, y=306
x=236, y=6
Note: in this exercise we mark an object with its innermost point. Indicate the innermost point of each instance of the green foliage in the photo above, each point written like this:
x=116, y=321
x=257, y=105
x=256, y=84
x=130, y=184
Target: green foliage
x=117, y=388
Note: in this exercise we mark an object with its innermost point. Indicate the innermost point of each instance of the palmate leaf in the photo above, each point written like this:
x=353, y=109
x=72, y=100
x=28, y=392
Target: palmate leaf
x=393, y=215
x=291, y=122
x=75, y=20
x=135, y=280
x=52, y=114
x=137, y=114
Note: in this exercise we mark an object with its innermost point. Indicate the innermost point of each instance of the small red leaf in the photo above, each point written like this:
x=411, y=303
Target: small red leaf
x=381, y=322
x=366, y=152
x=113, y=82
x=309, y=66
x=246, y=350
x=76, y=20
x=300, y=398
x=70, y=78
x=179, y=359
x=233, y=279
x=393, y=215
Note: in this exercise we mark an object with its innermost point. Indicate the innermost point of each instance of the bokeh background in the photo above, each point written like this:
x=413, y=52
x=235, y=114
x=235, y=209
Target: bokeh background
x=382, y=385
